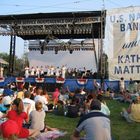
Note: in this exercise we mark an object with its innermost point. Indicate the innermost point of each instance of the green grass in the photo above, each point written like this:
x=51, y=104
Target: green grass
x=121, y=130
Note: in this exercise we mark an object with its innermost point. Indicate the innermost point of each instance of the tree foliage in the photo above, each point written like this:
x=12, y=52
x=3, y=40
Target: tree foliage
x=19, y=63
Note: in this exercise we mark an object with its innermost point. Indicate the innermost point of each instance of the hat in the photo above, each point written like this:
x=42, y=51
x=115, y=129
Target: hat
x=7, y=100
x=9, y=128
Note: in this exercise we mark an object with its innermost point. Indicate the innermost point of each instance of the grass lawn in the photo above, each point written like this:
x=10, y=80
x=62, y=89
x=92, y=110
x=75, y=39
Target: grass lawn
x=121, y=130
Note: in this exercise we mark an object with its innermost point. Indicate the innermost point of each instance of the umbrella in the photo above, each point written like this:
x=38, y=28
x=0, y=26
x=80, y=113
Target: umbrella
x=3, y=61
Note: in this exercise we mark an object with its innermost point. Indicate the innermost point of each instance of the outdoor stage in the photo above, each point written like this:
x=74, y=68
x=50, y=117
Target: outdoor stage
x=71, y=83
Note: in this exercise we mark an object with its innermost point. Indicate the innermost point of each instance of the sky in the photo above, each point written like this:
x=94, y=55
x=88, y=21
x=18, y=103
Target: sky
x=9, y=7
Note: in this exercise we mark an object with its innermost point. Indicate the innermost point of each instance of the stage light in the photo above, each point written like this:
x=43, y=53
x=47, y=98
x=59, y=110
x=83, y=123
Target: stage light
x=82, y=43
x=42, y=47
x=69, y=43
x=71, y=51
x=56, y=50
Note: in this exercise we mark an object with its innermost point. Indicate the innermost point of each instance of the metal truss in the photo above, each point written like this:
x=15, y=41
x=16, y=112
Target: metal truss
x=49, y=27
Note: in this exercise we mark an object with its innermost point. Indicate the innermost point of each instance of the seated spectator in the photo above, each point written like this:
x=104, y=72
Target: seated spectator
x=41, y=98
x=7, y=100
x=28, y=102
x=55, y=96
x=2, y=107
x=104, y=107
x=73, y=109
x=45, y=94
x=107, y=93
x=20, y=94
x=87, y=103
x=16, y=114
x=95, y=124
x=37, y=118
x=59, y=110
x=132, y=114
x=9, y=130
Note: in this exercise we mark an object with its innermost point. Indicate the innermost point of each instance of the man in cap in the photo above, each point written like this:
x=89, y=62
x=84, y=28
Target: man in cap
x=95, y=124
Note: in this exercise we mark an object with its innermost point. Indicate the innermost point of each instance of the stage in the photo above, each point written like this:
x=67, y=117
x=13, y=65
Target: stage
x=71, y=83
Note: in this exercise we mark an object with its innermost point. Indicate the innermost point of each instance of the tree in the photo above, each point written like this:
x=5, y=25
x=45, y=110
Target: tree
x=18, y=65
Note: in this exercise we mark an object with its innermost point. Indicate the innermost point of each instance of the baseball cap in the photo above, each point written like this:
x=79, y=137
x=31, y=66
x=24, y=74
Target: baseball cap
x=7, y=100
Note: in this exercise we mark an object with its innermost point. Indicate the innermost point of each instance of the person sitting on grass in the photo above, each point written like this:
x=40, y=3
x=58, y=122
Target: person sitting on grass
x=9, y=130
x=18, y=115
x=95, y=124
x=37, y=118
x=132, y=114
x=104, y=107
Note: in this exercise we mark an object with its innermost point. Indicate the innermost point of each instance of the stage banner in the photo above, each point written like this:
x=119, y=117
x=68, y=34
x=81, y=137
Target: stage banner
x=20, y=79
x=60, y=80
x=2, y=79
x=39, y=80
x=82, y=81
x=122, y=43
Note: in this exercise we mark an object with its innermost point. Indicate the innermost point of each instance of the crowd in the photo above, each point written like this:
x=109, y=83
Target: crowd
x=24, y=107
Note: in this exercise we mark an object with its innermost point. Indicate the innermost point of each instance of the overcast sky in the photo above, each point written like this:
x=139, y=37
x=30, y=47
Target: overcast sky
x=8, y=7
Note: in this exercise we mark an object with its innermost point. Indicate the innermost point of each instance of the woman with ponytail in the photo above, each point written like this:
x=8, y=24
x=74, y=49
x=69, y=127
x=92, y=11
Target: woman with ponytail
x=18, y=115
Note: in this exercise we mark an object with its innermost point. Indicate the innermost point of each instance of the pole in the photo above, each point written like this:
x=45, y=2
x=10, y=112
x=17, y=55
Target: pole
x=102, y=63
x=94, y=48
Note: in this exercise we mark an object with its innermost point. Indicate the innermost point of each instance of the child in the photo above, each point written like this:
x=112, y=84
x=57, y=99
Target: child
x=37, y=118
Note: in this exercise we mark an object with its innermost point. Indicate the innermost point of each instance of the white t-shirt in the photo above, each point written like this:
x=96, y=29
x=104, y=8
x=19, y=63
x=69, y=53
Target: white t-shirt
x=26, y=102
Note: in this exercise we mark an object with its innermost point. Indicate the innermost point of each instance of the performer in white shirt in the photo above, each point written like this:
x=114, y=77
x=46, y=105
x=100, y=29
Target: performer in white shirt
x=41, y=71
x=52, y=70
x=63, y=71
x=26, y=72
x=32, y=71
x=49, y=71
x=57, y=72
x=37, y=72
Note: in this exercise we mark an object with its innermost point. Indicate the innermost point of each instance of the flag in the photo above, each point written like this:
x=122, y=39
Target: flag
x=82, y=81
x=19, y=79
x=2, y=79
x=60, y=80
x=39, y=80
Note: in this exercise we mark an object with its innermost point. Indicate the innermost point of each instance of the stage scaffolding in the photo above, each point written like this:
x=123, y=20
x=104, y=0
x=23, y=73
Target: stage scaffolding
x=49, y=26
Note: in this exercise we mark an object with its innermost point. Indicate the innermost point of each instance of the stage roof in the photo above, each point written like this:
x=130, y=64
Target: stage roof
x=60, y=25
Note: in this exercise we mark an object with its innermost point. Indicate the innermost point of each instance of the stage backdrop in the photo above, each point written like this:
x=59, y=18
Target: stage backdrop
x=122, y=43
x=78, y=59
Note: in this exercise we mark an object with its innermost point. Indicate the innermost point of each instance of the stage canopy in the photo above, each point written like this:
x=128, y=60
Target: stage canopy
x=53, y=26
x=75, y=25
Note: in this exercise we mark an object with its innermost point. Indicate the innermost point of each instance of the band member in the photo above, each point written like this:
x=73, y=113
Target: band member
x=26, y=72
x=37, y=71
x=32, y=71
x=41, y=71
